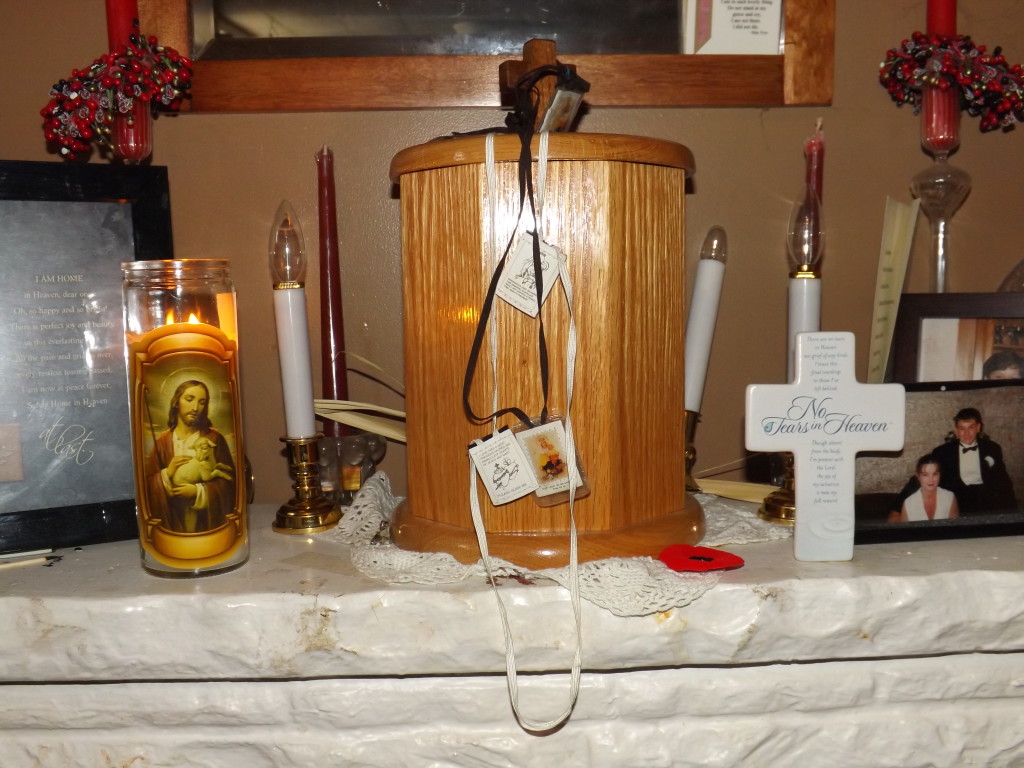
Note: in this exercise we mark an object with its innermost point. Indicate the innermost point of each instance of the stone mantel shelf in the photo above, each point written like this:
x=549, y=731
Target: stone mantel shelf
x=298, y=609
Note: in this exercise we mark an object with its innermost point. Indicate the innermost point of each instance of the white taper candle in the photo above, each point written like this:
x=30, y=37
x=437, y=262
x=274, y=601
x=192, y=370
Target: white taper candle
x=700, y=321
x=293, y=352
x=804, y=314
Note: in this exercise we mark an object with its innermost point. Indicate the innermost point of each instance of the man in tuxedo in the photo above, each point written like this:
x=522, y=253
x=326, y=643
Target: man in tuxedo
x=972, y=467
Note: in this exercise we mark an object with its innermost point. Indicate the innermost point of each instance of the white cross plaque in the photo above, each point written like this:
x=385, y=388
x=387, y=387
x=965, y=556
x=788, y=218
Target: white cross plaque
x=824, y=417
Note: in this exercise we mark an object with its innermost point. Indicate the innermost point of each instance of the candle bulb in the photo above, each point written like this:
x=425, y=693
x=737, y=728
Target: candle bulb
x=700, y=322
x=288, y=269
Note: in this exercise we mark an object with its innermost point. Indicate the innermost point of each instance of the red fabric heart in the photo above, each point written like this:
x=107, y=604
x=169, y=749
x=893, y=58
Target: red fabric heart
x=683, y=557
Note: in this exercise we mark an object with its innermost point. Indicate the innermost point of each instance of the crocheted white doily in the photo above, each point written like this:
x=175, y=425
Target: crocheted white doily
x=636, y=586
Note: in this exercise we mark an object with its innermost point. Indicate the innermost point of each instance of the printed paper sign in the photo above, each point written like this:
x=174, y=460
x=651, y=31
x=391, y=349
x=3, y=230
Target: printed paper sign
x=518, y=284
x=503, y=467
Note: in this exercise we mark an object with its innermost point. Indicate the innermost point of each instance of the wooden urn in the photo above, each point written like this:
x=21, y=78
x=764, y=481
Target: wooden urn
x=615, y=206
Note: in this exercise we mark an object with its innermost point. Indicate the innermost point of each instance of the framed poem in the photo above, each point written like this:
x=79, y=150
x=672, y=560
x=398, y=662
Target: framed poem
x=958, y=337
x=65, y=458
x=993, y=508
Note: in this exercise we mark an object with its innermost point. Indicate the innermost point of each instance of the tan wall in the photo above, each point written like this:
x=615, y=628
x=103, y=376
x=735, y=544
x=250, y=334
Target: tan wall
x=228, y=173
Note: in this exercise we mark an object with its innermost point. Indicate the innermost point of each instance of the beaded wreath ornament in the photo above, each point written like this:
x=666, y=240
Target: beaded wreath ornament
x=989, y=89
x=82, y=108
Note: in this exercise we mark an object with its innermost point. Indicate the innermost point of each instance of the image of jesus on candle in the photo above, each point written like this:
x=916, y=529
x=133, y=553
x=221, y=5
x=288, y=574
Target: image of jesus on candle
x=190, y=474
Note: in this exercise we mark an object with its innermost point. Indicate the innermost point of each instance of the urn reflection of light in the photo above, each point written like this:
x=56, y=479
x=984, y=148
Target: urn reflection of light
x=309, y=511
x=182, y=357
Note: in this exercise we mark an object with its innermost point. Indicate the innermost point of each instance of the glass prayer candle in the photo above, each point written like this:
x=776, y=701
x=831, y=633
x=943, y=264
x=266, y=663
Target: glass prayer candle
x=181, y=345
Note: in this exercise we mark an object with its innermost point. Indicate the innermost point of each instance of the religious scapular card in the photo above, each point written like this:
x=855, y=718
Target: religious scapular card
x=544, y=446
x=518, y=284
x=503, y=467
x=824, y=417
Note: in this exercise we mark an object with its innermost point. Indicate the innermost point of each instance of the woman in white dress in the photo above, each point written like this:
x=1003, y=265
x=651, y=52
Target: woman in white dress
x=929, y=502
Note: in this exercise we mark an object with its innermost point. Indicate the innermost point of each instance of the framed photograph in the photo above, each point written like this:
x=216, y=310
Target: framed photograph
x=960, y=473
x=65, y=450
x=958, y=337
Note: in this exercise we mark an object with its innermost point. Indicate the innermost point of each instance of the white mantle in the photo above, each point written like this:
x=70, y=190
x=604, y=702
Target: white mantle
x=914, y=651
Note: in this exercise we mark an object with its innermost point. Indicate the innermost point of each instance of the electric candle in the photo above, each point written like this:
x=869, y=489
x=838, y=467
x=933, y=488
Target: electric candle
x=332, y=327
x=288, y=268
x=806, y=244
x=700, y=323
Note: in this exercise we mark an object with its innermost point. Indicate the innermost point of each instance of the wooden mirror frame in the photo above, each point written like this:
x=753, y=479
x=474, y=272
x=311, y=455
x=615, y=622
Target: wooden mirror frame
x=802, y=75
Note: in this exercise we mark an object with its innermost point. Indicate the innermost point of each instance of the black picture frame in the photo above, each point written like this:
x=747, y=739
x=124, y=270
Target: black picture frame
x=917, y=308
x=882, y=477
x=144, y=193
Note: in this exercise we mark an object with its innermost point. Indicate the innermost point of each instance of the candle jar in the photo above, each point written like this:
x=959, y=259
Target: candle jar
x=182, y=356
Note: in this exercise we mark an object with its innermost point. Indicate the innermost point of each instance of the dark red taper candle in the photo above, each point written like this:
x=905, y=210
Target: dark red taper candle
x=332, y=325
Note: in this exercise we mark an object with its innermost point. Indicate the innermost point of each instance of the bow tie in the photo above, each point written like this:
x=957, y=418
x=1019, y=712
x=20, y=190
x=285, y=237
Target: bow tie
x=969, y=448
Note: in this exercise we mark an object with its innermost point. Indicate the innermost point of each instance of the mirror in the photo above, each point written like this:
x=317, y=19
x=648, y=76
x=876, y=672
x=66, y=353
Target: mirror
x=256, y=29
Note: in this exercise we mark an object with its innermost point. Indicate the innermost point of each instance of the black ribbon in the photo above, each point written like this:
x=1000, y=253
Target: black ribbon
x=521, y=121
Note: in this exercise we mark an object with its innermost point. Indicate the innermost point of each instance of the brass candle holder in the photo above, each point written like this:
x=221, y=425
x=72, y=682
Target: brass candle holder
x=309, y=511
x=780, y=506
x=692, y=505
x=692, y=417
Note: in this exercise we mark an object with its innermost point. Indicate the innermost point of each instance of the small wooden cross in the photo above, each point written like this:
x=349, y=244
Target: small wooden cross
x=825, y=417
x=536, y=53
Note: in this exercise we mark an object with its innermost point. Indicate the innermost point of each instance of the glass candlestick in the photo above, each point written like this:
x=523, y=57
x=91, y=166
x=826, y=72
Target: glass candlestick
x=942, y=187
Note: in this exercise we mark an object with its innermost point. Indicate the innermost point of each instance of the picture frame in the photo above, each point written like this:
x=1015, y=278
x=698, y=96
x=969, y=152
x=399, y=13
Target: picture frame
x=883, y=480
x=951, y=336
x=65, y=460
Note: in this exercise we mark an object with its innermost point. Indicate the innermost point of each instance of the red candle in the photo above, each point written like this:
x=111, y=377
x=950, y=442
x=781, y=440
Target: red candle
x=122, y=21
x=814, y=152
x=940, y=107
x=332, y=326
x=941, y=19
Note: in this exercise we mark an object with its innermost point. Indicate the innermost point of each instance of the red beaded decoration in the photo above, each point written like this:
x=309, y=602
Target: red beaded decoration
x=82, y=108
x=988, y=88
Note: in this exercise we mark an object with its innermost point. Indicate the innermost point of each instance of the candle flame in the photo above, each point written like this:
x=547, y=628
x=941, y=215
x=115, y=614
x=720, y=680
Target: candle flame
x=191, y=318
